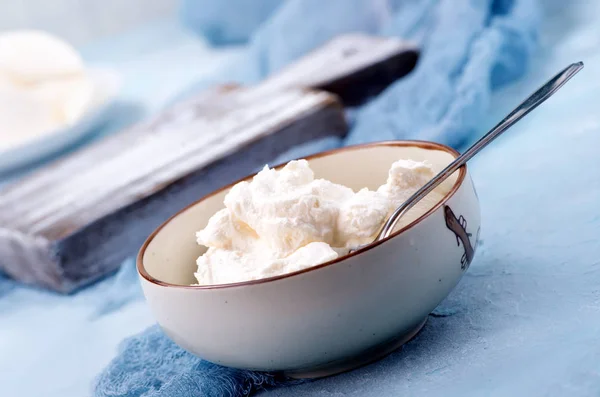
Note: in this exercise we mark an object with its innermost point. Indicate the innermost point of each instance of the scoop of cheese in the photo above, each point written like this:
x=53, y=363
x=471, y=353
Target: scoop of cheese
x=30, y=56
x=43, y=86
x=286, y=220
x=288, y=208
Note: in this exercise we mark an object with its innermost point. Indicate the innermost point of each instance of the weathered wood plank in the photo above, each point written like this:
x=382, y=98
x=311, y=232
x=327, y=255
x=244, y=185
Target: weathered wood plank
x=83, y=229
x=77, y=219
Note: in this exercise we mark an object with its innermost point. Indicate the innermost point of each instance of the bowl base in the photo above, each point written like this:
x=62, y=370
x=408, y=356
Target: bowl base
x=371, y=355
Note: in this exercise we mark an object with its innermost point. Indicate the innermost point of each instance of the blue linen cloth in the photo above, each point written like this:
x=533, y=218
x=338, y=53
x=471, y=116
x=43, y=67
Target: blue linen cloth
x=469, y=49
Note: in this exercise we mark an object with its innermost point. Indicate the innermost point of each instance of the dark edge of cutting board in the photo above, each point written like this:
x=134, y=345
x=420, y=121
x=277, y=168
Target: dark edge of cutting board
x=354, y=92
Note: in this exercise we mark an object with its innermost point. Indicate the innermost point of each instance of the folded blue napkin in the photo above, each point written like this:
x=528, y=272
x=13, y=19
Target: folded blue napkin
x=469, y=49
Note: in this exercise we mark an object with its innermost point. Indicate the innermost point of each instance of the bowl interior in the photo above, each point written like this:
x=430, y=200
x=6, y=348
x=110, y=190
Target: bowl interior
x=171, y=254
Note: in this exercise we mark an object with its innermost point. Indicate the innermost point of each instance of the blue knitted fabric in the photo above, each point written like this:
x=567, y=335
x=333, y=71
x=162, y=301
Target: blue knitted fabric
x=151, y=365
x=469, y=49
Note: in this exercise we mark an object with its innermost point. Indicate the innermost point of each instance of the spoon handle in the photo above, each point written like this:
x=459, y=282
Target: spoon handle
x=543, y=93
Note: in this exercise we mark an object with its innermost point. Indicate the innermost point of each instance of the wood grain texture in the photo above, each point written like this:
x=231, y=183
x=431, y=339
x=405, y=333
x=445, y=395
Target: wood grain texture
x=77, y=219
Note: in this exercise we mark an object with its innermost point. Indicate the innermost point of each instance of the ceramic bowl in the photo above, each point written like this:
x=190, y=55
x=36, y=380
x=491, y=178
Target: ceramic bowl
x=331, y=317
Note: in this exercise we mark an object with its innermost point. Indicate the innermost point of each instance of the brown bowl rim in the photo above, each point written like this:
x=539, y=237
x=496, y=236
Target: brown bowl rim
x=402, y=143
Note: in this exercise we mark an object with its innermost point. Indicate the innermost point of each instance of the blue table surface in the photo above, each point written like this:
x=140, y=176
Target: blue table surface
x=524, y=321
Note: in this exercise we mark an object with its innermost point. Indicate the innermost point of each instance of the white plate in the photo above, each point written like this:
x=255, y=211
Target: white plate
x=106, y=85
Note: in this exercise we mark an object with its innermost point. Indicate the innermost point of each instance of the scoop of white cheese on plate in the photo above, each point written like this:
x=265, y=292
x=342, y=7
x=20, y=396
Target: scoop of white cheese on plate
x=43, y=85
x=286, y=220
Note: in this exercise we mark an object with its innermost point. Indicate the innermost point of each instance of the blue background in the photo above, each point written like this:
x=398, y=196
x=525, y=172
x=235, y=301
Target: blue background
x=524, y=321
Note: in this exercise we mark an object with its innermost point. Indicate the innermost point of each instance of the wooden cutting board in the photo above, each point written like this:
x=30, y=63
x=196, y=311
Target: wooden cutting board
x=75, y=220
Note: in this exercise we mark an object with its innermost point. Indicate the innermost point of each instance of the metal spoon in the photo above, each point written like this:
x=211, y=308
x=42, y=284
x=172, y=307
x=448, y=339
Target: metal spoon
x=524, y=108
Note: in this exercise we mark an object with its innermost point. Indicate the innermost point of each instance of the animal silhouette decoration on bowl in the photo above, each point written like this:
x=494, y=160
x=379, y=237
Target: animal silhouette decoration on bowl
x=459, y=228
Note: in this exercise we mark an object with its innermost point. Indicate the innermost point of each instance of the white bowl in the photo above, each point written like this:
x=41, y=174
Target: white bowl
x=331, y=317
x=106, y=87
